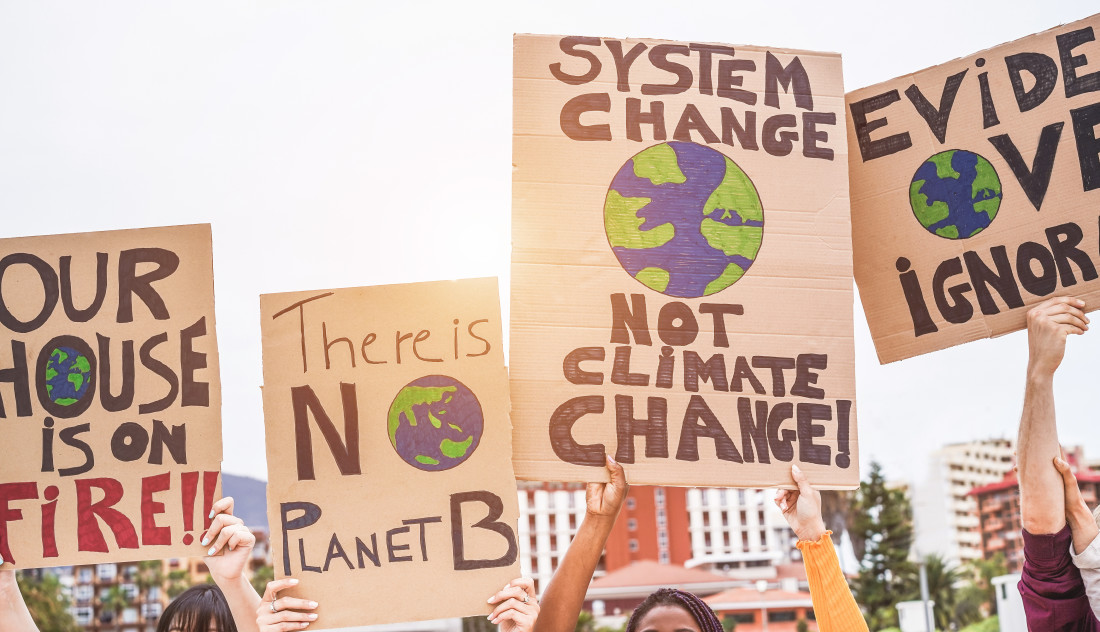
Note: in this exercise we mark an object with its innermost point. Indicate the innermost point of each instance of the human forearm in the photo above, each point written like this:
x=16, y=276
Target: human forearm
x=242, y=599
x=1083, y=526
x=1042, y=501
x=563, y=598
x=14, y=616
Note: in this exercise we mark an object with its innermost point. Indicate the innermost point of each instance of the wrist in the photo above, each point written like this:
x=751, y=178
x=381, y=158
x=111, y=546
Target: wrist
x=1079, y=516
x=811, y=532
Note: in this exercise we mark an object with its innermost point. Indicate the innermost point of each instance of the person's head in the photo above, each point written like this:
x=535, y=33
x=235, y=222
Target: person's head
x=670, y=610
x=198, y=609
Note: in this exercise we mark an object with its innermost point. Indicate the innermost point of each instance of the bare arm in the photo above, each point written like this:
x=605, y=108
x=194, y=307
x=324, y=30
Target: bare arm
x=563, y=598
x=14, y=616
x=1042, y=499
x=230, y=549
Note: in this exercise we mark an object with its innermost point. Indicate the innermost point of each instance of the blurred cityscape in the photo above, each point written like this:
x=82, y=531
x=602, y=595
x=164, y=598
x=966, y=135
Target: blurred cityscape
x=730, y=546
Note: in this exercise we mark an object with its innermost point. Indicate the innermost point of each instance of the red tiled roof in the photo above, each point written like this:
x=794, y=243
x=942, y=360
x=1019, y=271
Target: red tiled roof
x=1010, y=481
x=650, y=573
x=737, y=598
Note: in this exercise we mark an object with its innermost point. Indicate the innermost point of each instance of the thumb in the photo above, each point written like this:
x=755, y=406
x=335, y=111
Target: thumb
x=800, y=479
x=616, y=472
x=1063, y=467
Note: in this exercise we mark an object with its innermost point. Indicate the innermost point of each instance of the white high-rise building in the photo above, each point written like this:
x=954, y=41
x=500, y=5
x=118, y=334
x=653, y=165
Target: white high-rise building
x=945, y=516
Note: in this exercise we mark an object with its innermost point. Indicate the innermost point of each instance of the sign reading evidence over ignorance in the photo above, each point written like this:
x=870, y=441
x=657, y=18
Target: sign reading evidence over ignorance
x=109, y=396
x=391, y=494
x=976, y=189
x=681, y=264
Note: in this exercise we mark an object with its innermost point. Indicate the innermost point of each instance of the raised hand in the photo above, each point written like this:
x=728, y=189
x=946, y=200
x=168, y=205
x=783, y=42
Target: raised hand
x=230, y=542
x=802, y=507
x=605, y=499
x=1048, y=325
x=283, y=614
x=517, y=608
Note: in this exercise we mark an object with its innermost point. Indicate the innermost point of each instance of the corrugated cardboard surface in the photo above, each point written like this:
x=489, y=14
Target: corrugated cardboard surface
x=462, y=319
x=187, y=294
x=796, y=295
x=885, y=228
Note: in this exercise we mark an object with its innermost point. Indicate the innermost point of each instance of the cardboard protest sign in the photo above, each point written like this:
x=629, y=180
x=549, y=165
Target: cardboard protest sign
x=110, y=404
x=681, y=264
x=390, y=494
x=975, y=190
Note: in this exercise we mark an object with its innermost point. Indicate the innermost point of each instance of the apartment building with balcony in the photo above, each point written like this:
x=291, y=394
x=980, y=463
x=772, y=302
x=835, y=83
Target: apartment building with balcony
x=999, y=512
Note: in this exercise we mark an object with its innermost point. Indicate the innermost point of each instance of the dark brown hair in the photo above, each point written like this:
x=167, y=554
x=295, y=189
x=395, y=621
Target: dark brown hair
x=696, y=607
x=195, y=608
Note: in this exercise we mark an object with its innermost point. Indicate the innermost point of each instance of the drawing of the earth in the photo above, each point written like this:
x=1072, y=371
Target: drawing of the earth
x=435, y=423
x=955, y=194
x=683, y=219
x=67, y=376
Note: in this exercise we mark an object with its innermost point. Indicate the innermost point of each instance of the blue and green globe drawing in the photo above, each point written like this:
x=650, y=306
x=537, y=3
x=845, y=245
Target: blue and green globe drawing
x=683, y=219
x=955, y=194
x=435, y=423
x=68, y=374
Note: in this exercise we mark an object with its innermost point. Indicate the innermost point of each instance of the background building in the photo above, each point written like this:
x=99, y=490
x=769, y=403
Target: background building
x=945, y=515
x=999, y=511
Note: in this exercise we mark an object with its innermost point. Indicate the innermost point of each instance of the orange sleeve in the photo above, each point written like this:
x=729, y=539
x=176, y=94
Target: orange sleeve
x=834, y=606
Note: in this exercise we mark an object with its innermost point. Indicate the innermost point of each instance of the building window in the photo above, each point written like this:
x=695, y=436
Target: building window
x=84, y=615
x=106, y=572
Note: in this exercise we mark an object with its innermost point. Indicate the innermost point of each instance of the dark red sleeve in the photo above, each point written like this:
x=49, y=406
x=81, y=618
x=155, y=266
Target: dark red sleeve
x=1052, y=591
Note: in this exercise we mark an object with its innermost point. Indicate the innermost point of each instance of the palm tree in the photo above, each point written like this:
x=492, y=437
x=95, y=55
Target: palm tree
x=942, y=588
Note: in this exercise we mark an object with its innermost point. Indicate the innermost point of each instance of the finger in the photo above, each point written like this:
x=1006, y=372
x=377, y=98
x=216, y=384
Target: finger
x=274, y=586
x=224, y=536
x=509, y=592
x=241, y=536
x=800, y=479
x=219, y=522
x=511, y=604
x=294, y=603
x=521, y=619
x=222, y=505
x=285, y=626
x=290, y=615
x=618, y=475
x=526, y=583
x=1070, y=319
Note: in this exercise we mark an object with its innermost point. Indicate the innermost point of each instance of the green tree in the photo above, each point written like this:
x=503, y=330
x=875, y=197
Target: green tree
x=47, y=603
x=177, y=583
x=883, y=523
x=116, y=601
x=801, y=626
x=729, y=624
x=261, y=577
x=150, y=575
x=942, y=582
x=984, y=572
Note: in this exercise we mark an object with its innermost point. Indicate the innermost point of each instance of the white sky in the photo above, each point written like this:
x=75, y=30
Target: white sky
x=338, y=144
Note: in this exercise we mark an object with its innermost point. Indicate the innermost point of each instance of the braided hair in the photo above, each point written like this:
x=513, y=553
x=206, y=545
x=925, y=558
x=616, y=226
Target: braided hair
x=699, y=610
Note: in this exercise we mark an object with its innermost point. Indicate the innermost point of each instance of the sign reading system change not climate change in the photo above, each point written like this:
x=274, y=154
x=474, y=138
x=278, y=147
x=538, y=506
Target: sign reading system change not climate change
x=681, y=290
